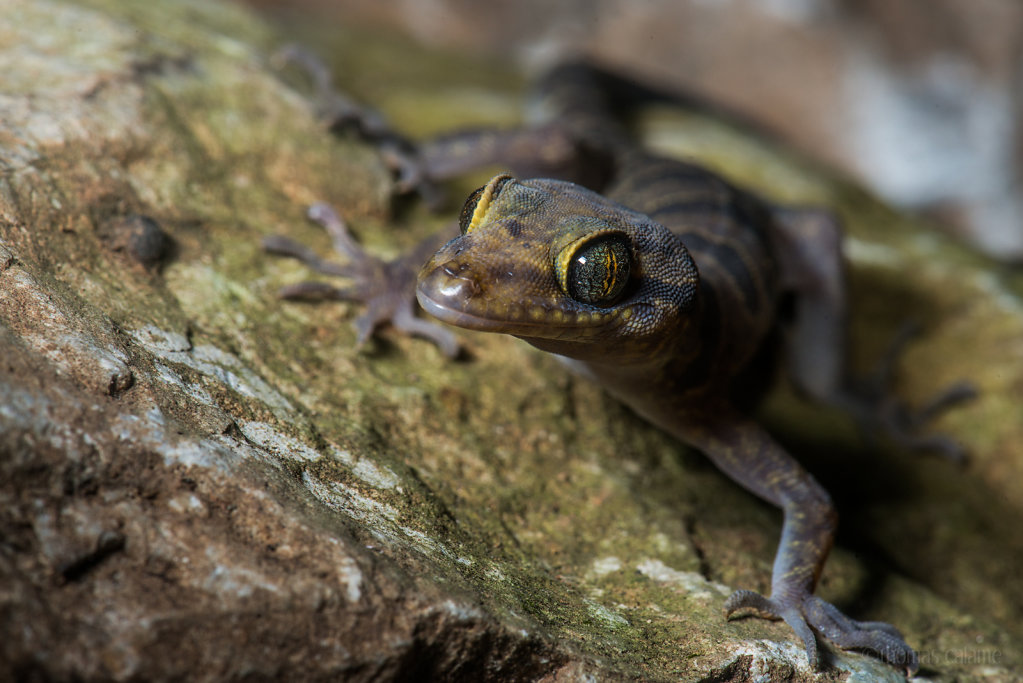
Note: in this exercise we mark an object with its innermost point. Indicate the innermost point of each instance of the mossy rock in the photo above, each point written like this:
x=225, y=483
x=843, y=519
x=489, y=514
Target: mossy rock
x=200, y=480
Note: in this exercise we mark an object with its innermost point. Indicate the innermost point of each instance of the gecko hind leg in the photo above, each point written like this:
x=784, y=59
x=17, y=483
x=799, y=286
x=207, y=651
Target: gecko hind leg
x=809, y=244
x=387, y=288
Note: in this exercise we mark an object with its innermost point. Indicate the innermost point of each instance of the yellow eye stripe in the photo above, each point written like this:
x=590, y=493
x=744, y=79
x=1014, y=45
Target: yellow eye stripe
x=490, y=190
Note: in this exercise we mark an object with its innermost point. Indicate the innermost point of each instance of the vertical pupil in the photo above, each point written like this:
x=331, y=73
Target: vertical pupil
x=610, y=270
x=599, y=271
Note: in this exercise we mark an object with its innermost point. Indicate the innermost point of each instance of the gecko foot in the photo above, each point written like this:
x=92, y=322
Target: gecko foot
x=809, y=616
x=387, y=288
x=875, y=405
x=340, y=113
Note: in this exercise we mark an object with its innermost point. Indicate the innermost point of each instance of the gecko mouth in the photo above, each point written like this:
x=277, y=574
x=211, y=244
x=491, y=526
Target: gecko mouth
x=453, y=295
x=454, y=316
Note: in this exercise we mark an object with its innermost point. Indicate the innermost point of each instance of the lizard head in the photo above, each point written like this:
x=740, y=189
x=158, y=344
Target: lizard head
x=563, y=268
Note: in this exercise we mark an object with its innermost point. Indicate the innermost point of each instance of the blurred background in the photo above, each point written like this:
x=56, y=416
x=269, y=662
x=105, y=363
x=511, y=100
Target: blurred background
x=921, y=100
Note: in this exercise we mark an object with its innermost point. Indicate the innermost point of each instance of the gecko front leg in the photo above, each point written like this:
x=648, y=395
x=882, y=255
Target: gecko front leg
x=340, y=113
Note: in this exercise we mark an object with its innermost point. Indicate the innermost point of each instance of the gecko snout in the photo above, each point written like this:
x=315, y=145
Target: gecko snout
x=447, y=289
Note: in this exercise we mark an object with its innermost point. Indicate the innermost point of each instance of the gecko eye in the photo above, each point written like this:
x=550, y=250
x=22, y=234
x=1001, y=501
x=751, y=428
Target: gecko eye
x=596, y=269
x=479, y=201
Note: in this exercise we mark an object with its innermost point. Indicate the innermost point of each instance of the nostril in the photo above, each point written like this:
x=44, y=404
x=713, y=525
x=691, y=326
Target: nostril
x=453, y=283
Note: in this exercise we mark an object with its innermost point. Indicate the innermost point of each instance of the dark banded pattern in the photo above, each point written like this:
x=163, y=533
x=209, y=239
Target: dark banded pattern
x=725, y=231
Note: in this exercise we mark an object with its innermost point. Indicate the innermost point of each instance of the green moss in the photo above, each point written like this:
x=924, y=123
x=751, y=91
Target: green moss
x=499, y=476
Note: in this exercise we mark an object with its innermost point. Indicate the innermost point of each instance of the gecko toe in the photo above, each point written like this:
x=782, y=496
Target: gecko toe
x=766, y=608
x=747, y=600
x=876, y=638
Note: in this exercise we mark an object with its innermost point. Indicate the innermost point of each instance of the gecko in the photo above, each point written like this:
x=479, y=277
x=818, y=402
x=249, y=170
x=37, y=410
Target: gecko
x=654, y=277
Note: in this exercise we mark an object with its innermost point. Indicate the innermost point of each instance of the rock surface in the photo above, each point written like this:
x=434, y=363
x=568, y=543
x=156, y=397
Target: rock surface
x=200, y=481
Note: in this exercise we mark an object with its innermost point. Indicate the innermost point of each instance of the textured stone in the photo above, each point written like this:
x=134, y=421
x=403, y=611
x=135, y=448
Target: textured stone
x=200, y=481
